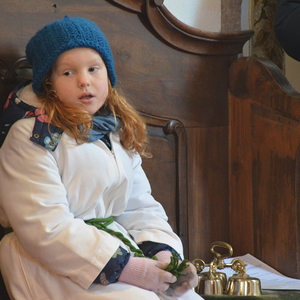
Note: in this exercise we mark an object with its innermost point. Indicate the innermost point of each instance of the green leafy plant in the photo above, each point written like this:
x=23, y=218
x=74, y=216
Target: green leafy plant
x=175, y=267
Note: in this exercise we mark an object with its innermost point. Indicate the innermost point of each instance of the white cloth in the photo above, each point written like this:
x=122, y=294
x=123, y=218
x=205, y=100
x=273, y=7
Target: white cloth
x=45, y=196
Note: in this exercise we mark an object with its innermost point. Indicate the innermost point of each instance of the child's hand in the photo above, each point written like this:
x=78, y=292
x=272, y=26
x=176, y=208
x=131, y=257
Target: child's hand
x=187, y=281
x=164, y=256
x=147, y=273
x=185, y=271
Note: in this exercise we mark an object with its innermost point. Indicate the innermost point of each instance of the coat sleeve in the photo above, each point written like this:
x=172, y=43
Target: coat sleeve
x=286, y=25
x=145, y=218
x=34, y=203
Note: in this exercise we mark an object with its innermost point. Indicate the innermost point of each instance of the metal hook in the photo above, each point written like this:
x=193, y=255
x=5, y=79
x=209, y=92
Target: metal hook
x=219, y=258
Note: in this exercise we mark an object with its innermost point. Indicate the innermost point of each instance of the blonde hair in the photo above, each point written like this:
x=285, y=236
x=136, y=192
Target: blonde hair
x=77, y=122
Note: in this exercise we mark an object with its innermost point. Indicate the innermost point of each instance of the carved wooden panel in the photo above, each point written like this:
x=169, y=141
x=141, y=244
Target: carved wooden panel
x=167, y=171
x=264, y=165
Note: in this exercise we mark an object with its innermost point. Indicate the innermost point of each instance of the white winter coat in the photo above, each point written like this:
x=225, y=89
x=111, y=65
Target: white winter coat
x=45, y=196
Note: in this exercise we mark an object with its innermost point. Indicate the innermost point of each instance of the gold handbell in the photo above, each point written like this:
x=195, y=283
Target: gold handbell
x=215, y=283
x=211, y=282
x=241, y=284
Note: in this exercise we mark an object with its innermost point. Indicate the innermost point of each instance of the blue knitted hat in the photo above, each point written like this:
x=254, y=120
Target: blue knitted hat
x=52, y=40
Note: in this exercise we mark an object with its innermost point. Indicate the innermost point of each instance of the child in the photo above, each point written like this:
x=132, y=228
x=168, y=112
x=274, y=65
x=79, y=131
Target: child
x=84, y=224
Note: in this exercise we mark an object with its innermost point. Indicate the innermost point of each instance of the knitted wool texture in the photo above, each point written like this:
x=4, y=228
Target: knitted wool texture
x=68, y=33
x=147, y=273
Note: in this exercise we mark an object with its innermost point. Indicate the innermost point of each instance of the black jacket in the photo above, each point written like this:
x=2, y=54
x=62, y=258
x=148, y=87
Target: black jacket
x=287, y=26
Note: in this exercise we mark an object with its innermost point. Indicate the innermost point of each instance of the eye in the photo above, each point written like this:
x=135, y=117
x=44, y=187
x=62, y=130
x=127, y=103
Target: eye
x=93, y=69
x=68, y=73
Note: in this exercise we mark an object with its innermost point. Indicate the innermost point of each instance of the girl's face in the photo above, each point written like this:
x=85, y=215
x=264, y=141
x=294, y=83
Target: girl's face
x=79, y=77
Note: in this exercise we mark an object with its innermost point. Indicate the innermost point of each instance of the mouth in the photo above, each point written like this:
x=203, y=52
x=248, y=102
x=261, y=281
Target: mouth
x=86, y=97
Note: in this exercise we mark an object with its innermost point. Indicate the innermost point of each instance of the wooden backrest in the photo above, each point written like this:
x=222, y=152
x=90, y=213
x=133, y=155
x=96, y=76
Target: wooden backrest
x=264, y=164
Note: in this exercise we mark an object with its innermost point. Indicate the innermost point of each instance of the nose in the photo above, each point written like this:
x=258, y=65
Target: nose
x=83, y=80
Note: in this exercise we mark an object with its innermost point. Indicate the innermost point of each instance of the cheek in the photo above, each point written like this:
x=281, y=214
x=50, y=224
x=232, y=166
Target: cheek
x=59, y=92
x=103, y=89
x=61, y=89
x=106, y=91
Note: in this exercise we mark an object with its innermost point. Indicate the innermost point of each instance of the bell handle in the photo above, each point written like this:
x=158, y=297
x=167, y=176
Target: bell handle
x=220, y=257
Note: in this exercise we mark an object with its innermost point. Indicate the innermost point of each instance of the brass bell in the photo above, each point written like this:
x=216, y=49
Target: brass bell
x=208, y=285
x=243, y=286
x=215, y=283
x=211, y=282
x=219, y=276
